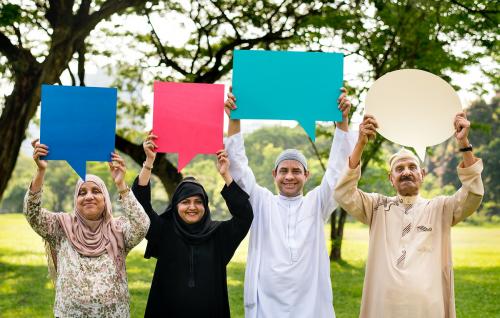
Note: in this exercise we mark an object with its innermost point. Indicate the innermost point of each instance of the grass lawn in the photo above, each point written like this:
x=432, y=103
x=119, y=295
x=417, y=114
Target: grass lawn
x=25, y=290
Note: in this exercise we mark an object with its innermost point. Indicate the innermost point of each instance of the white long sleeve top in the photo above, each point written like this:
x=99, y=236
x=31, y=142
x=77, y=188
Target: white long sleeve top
x=288, y=269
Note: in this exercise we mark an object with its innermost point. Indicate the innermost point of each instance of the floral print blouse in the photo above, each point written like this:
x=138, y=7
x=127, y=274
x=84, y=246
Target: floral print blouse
x=88, y=286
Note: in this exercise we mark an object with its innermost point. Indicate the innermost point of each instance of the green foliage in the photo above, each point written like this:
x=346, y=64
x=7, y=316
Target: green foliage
x=9, y=13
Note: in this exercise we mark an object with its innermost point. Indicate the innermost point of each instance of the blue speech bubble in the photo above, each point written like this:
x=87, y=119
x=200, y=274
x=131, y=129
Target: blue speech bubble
x=78, y=124
x=302, y=86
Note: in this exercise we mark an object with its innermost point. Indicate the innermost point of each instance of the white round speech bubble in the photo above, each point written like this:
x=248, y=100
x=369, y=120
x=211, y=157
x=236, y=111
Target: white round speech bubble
x=413, y=108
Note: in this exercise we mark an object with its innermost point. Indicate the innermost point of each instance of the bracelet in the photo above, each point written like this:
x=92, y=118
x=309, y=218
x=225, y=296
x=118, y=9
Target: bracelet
x=465, y=149
x=123, y=192
x=144, y=165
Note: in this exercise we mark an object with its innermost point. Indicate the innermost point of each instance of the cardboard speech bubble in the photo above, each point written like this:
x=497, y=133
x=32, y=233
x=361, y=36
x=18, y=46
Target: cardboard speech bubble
x=302, y=86
x=78, y=124
x=188, y=119
x=413, y=108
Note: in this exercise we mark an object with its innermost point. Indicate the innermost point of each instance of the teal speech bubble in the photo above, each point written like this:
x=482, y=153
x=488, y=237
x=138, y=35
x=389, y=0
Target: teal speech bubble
x=301, y=86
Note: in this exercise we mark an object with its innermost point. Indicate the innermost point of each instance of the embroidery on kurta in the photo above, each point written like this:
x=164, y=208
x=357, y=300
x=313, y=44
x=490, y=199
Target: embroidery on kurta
x=386, y=202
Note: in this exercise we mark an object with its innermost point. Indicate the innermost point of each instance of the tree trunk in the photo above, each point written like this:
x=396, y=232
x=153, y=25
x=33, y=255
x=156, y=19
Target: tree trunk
x=18, y=110
x=337, y=234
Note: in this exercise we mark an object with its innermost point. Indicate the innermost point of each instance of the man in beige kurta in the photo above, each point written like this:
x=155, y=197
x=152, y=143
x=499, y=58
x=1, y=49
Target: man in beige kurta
x=409, y=271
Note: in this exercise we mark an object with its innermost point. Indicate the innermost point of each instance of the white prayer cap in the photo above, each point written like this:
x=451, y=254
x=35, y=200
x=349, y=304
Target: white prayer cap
x=403, y=153
x=291, y=154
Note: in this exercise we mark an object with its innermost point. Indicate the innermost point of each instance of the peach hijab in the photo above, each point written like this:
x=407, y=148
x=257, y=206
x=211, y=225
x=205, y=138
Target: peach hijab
x=93, y=238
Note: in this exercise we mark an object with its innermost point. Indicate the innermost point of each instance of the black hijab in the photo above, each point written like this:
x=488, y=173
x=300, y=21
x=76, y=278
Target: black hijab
x=195, y=233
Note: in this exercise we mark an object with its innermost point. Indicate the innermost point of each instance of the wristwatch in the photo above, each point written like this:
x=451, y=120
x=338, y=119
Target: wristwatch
x=465, y=149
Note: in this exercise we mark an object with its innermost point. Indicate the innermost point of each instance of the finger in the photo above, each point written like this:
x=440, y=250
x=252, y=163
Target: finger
x=341, y=97
x=343, y=89
x=366, y=116
x=231, y=88
x=121, y=168
x=34, y=142
x=119, y=160
x=230, y=103
x=42, y=153
x=152, y=145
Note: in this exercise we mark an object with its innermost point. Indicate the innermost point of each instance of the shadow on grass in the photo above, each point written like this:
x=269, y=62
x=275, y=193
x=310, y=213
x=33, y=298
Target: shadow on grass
x=25, y=291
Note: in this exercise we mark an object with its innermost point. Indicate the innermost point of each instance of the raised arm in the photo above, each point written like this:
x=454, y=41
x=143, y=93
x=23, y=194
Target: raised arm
x=342, y=145
x=234, y=230
x=43, y=222
x=356, y=202
x=136, y=222
x=468, y=198
x=142, y=188
x=239, y=168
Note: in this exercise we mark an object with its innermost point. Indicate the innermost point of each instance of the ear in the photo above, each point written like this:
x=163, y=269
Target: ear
x=307, y=174
x=389, y=177
x=422, y=171
x=274, y=174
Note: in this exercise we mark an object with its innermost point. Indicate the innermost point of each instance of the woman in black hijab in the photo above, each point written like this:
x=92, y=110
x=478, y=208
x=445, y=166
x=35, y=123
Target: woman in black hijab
x=191, y=249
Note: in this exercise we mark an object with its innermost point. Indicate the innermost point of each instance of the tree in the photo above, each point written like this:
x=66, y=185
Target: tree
x=63, y=27
x=407, y=34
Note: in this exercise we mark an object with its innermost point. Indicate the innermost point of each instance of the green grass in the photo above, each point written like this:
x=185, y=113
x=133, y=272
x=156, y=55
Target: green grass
x=25, y=290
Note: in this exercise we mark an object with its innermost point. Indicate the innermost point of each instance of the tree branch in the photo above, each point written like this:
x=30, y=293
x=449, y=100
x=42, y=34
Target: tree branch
x=9, y=50
x=162, y=168
x=81, y=63
x=484, y=13
x=159, y=47
x=108, y=8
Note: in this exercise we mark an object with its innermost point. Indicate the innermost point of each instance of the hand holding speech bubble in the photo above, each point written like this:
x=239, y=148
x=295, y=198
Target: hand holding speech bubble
x=78, y=124
x=188, y=119
x=302, y=86
x=413, y=108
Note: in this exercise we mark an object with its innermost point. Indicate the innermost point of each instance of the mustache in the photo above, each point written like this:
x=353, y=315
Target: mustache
x=406, y=178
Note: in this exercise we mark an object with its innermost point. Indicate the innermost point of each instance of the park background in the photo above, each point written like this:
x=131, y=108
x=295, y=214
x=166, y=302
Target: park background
x=130, y=43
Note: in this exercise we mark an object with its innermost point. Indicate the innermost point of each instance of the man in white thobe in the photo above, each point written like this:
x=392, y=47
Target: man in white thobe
x=288, y=269
x=409, y=271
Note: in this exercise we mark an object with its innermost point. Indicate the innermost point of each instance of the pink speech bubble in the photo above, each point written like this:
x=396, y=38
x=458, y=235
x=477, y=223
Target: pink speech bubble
x=188, y=119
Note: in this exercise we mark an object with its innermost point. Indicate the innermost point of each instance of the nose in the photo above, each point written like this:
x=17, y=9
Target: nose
x=289, y=175
x=89, y=196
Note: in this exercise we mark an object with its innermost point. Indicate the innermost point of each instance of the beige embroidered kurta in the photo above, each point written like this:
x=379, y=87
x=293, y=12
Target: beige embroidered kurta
x=409, y=270
x=88, y=286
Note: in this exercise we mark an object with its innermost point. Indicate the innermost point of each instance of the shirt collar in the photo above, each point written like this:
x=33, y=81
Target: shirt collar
x=291, y=199
x=408, y=199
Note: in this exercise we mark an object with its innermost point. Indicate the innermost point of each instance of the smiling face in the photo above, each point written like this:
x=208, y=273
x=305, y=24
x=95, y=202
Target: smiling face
x=290, y=177
x=191, y=209
x=406, y=176
x=90, y=201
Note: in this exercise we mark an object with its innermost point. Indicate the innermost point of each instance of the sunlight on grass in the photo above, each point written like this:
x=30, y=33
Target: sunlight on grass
x=26, y=291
